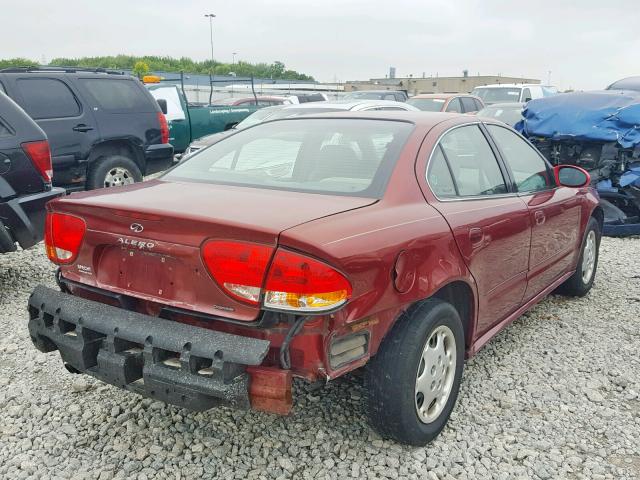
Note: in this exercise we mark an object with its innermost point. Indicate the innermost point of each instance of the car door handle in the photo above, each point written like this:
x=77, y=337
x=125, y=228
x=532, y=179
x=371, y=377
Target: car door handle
x=81, y=127
x=476, y=236
x=540, y=217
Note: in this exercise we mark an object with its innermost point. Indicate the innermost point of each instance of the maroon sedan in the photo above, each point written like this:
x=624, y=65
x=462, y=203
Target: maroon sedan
x=310, y=247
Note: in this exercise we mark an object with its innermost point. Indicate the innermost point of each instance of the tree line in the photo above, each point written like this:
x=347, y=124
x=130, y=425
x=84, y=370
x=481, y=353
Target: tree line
x=141, y=65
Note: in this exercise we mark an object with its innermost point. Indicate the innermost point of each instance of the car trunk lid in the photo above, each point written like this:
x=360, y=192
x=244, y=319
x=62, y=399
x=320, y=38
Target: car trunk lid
x=144, y=240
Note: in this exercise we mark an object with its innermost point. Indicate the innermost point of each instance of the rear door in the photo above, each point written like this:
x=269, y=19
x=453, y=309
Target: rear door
x=554, y=211
x=56, y=107
x=490, y=223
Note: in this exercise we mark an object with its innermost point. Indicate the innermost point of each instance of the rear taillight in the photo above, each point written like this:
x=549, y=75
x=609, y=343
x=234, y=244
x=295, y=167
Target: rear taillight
x=40, y=155
x=238, y=267
x=294, y=282
x=63, y=236
x=299, y=283
x=164, y=128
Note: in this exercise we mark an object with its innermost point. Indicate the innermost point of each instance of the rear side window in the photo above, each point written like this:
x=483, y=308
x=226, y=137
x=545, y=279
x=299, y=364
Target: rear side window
x=117, y=95
x=468, y=104
x=479, y=105
x=530, y=171
x=47, y=98
x=439, y=175
x=454, y=106
x=472, y=162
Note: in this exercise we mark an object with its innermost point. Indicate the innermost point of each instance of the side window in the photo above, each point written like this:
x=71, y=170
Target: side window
x=439, y=176
x=389, y=96
x=117, y=95
x=479, y=105
x=529, y=169
x=473, y=165
x=2, y=89
x=468, y=104
x=526, y=95
x=47, y=98
x=454, y=106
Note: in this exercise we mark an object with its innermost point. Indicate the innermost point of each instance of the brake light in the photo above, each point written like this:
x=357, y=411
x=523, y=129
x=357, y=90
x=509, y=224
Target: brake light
x=238, y=267
x=294, y=282
x=40, y=155
x=164, y=128
x=63, y=236
x=299, y=283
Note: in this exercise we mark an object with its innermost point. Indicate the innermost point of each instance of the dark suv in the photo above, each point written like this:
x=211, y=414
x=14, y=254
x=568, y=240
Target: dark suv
x=25, y=178
x=105, y=128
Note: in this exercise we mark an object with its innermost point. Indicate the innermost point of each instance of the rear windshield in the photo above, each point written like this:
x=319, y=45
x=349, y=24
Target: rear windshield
x=495, y=95
x=331, y=156
x=427, y=104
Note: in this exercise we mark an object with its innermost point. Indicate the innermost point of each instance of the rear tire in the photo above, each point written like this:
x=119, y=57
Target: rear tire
x=579, y=284
x=112, y=171
x=412, y=383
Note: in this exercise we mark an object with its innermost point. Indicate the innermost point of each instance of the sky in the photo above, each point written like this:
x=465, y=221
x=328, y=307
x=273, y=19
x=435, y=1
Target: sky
x=584, y=44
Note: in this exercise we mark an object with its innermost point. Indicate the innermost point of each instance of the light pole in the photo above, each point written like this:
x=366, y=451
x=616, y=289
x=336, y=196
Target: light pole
x=211, y=16
x=233, y=62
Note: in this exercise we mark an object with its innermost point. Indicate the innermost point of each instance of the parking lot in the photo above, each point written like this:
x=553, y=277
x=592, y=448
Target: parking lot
x=555, y=395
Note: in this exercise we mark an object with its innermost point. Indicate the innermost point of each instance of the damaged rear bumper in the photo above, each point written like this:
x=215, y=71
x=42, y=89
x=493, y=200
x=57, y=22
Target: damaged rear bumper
x=184, y=365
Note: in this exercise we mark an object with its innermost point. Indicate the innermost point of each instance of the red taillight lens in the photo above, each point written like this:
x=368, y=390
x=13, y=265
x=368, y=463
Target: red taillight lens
x=164, y=128
x=63, y=236
x=238, y=267
x=299, y=283
x=40, y=155
x=294, y=282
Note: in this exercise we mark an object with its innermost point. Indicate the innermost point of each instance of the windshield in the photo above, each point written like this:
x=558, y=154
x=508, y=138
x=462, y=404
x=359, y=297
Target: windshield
x=427, y=104
x=508, y=115
x=331, y=156
x=494, y=95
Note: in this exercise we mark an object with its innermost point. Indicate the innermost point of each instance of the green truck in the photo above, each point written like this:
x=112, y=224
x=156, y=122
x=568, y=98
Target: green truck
x=188, y=122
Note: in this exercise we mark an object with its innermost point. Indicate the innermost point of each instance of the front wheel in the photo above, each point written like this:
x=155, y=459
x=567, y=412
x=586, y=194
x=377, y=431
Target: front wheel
x=113, y=171
x=579, y=284
x=413, y=381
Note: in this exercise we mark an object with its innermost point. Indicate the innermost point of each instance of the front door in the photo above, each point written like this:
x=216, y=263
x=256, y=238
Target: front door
x=491, y=225
x=554, y=211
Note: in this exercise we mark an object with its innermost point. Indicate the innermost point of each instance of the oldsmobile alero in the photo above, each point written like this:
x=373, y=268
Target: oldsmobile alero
x=310, y=247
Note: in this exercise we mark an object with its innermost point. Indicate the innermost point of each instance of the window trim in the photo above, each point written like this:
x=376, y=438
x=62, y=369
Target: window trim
x=548, y=166
x=507, y=178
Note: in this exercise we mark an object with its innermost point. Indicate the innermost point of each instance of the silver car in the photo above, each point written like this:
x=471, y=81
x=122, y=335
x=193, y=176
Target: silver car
x=284, y=111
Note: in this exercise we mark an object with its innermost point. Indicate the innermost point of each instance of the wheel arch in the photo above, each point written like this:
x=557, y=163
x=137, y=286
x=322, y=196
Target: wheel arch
x=598, y=214
x=461, y=295
x=122, y=147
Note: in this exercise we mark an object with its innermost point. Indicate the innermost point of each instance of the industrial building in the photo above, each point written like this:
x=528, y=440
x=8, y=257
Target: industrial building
x=417, y=85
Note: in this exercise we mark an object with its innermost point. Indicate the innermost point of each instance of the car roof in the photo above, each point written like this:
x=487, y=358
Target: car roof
x=510, y=85
x=376, y=91
x=506, y=105
x=419, y=117
x=628, y=83
x=344, y=104
x=441, y=95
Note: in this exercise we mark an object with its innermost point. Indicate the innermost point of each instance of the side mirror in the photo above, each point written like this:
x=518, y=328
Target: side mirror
x=528, y=99
x=163, y=105
x=571, y=176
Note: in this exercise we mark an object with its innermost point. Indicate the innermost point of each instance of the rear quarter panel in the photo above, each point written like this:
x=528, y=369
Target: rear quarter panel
x=365, y=243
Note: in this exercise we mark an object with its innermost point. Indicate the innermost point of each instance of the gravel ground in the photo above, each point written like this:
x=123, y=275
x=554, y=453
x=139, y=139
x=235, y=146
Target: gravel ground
x=555, y=395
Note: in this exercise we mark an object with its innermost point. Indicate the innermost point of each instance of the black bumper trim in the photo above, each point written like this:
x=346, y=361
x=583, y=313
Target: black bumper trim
x=25, y=215
x=188, y=366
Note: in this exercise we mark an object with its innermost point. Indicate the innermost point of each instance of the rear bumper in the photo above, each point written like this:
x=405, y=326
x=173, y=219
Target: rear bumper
x=158, y=157
x=24, y=216
x=188, y=366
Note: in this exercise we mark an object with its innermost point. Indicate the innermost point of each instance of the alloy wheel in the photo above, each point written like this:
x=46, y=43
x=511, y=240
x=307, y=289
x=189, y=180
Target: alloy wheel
x=117, y=177
x=589, y=257
x=436, y=372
